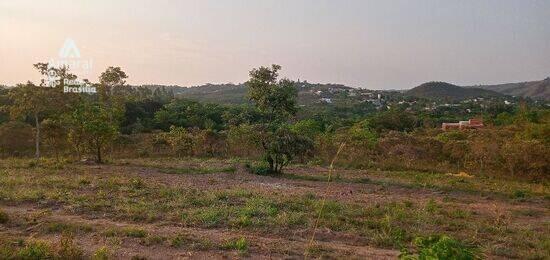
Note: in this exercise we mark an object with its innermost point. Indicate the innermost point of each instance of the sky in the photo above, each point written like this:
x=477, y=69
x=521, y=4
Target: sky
x=385, y=44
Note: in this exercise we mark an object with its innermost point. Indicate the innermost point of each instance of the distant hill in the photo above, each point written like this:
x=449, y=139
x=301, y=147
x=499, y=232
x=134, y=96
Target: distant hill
x=219, y=93
x=444, y=90
x=533, y=89
x=236, y=93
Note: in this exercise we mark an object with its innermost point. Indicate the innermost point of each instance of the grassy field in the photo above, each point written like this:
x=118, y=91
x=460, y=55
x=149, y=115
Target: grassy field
x=170, y=208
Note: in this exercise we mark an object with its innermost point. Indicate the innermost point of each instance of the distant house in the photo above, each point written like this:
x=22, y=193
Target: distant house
x=326, y=100
x=461, y=125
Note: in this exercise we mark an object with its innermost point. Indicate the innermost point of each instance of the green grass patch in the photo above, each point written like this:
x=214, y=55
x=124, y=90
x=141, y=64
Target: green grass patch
x=239, y=244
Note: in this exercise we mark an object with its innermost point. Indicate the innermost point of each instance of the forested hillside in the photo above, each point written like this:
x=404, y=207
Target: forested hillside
x=443, y=90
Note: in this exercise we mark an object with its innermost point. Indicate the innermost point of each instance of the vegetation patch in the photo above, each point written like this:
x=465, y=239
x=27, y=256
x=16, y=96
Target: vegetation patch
x=441, y=247
x=239, y=244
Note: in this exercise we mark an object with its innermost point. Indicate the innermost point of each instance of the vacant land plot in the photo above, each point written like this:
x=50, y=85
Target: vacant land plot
x=171, y=208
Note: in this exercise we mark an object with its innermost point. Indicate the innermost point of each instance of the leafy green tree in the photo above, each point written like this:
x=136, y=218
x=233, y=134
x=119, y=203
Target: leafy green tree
x=42, y=101
x=282, y=146
x=93, y=128
x=112, y=80
x=275, y=97
x=29, y=100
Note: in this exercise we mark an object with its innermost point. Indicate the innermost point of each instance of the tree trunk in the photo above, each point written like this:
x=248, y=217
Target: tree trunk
x=98, y=152
x=37, y=137
x=271, y=166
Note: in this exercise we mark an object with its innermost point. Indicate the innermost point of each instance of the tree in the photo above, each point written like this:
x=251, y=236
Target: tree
x=112, y=79
x=54, y=136
x=282, y=146
x=29, y=100
x=112, y=90
x=39, y=102
x=93, y=128
x=276, y=98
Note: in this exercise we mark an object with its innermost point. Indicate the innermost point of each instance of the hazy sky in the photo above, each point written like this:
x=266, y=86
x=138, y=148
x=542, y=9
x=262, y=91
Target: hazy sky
x=373, y=44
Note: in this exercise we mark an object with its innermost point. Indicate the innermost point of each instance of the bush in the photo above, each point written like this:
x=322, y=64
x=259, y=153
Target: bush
x=441, y=247
x=68, y=249
x=180, y=140
x=282, y=146
x=259, y=169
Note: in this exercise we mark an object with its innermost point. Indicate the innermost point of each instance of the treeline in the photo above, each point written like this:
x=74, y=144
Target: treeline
x=126, y=121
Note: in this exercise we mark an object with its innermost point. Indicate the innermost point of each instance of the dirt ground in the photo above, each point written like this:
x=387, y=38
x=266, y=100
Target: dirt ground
x=28, y=219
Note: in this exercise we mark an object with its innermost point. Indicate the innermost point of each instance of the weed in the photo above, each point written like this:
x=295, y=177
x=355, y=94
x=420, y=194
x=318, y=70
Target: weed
x=136, y=183
x=68, y=249
x=432, y=206
x=36, y=250
x=154, y=240
x=259, y=169
x=101, y=253
x=240, y=244
x=519, y=194
x=440, y=247
x=58, y=227
x=134, y=232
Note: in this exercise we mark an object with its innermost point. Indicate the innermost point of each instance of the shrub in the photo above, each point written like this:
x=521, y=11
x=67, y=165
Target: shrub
x=282, y=146
x=259, y=169
x=68, y=249
x=36, y=250
x=180, y=140
x=441, y=247
x=101, y=253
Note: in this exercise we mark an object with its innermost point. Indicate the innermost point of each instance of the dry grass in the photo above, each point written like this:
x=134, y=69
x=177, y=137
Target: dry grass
x=234, y=212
